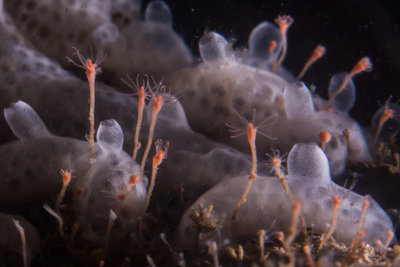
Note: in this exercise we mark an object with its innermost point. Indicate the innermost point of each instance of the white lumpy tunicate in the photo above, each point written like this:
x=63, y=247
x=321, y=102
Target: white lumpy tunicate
x=231, y=81
x=132, y=44
x=190, y=149
x=110, y=136
x=24, y=122
x=308, y=162
x=159, y=12
x=298, y=101
x=311, y=184
x=29, y=166
x=268, y=204
x=105, y=33
x=212, y=47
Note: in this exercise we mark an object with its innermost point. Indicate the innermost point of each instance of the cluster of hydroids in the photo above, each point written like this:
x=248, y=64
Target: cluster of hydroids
x=164, y=175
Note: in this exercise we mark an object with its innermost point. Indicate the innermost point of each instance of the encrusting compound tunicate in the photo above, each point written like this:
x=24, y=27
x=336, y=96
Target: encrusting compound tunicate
x=269, y=207
x=29, y=175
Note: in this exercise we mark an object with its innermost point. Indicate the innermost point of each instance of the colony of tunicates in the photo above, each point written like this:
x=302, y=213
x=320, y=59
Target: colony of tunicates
x=45, y=108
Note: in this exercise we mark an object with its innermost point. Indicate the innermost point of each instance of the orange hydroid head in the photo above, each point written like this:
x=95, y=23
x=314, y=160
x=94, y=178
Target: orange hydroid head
x=318, y=52
x=251, y=132
x=387, y=114
x=284, y=23
x=336, y=200
x=325, y=136
x=363, y=65
x=91, y=68
x=280, y=236
x=272, y=46
x=296, y=207
x=161, y=152
x=66, y=176
x=134, y=179
x=157, y=103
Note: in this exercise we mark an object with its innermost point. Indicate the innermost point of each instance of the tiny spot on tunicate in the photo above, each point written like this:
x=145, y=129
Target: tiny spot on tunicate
x=56, y=17
x=218, y=90
x=30, y=5
x=106, y=184
x=83, y=14
x=191, y=93
x=238, y=101
x=24, y=17
x=43, y=10
x=220, y=109
x=31, y=25
x=44, y=32
x=204, y=102
x=227, y=166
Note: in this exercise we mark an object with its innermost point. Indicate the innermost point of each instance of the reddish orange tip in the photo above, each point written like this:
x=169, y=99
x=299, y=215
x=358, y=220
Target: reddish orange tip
x=66, y=176
x=318, y=52
x=362, y=233
x=296, y=206
x=389, y=234
x=336, y=200
x=387, y=114
x=306, y=249
x=276, y=162
x=363, y=64
x=122, y=196
x=141, y=92
x=284, y=23
x=280, y=236
x=325, y=137
x=272, y=46
x=365, y=203
x=78, y=191
x=134, y=179
x=330, y=110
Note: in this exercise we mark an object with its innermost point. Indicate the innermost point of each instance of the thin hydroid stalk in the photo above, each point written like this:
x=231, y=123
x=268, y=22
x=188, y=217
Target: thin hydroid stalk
x=161, y=154
x=157, y=105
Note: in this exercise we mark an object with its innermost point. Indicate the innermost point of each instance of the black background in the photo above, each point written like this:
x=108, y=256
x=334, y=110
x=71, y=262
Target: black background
x=349, y=30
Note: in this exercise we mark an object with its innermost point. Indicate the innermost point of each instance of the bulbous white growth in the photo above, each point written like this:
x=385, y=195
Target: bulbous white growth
x=298, y=101
x=110, y=136
x=212, y=47
x=307, y=163
x=159, y=12
x=243, y=80
x=260, y=39
x=344, y=101
x=24, y=122
x=105, y=33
